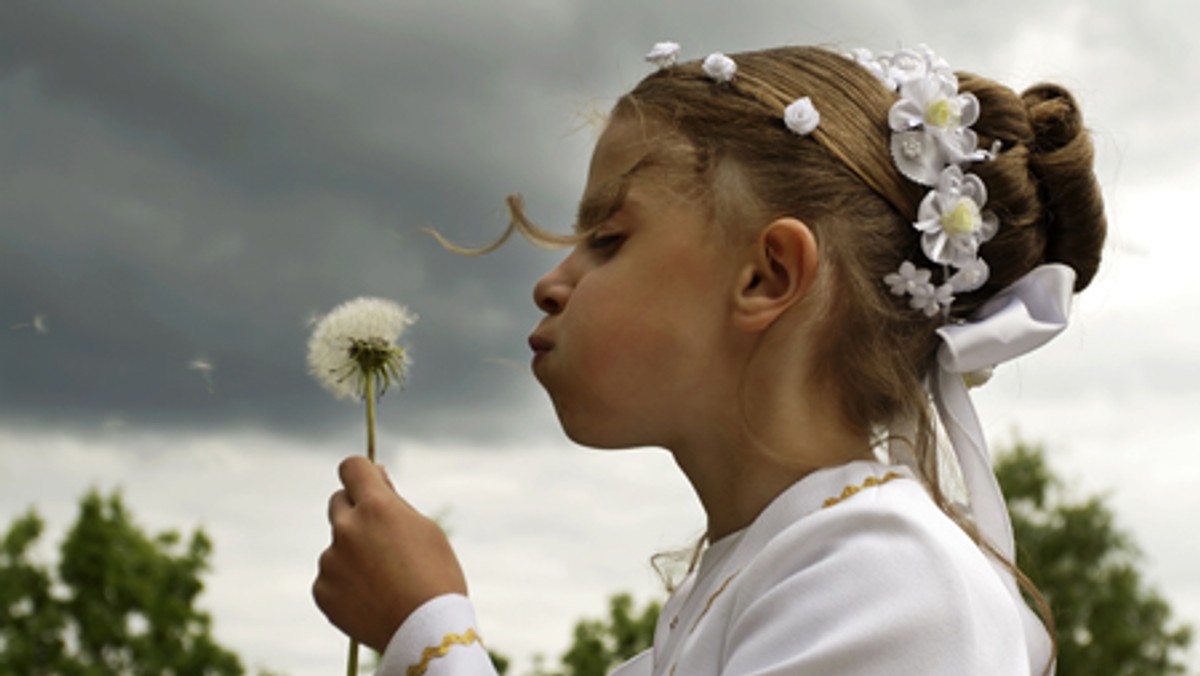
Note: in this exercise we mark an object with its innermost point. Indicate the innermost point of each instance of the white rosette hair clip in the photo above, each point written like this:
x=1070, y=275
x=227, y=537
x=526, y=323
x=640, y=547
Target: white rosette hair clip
x=719, y=67
x=663, y=54
x=800, y=116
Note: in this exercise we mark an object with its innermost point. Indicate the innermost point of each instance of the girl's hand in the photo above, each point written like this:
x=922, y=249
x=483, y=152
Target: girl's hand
x=385, y=561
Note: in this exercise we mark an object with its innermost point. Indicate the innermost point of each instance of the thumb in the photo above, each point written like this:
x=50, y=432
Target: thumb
x=362, y=478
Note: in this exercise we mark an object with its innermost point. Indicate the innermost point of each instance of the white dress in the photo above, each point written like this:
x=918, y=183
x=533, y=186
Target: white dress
x=852, y=570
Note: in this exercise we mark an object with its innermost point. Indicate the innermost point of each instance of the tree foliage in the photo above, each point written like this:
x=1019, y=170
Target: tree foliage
x=599, y=645
x=119, y=601
x=1107, y=619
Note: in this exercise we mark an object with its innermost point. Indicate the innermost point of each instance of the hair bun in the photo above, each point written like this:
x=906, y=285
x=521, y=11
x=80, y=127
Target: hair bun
x=1061, y=157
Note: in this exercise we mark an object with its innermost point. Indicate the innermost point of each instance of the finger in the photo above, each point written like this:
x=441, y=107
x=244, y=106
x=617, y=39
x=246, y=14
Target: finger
x=360, y=477
x=324, y=587
x=339, y=503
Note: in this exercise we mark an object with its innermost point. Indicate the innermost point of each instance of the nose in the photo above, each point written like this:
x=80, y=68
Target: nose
x=551, y=291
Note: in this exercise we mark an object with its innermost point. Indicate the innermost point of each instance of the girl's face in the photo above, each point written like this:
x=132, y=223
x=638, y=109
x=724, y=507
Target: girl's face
x=631, y=348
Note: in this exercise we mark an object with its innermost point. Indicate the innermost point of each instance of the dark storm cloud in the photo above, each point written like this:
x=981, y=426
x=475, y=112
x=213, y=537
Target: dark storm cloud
x=187, y=179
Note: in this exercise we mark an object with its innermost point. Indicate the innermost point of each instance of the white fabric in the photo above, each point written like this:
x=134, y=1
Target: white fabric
x=1021, y=318
x=1017, y=320
x=428, y=627
x=881, y=583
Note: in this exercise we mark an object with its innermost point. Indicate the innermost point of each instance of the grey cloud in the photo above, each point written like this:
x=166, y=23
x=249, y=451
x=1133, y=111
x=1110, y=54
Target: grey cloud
x=168, y=200
x=187, y=178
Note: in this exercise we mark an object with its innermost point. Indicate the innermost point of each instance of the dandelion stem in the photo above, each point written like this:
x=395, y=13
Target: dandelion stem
x=369, y=388
x=369, y=393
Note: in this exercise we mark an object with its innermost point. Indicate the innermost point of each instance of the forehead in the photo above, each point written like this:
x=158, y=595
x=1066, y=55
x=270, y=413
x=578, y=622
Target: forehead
x=630, y=151
x=620, y=148
x=618, y=151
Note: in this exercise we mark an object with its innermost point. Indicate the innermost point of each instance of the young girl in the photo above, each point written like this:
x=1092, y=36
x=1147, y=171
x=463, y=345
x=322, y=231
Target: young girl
x=787, y=265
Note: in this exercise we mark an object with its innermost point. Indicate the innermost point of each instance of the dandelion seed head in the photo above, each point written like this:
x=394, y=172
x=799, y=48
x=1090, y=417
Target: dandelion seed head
x=356, y=336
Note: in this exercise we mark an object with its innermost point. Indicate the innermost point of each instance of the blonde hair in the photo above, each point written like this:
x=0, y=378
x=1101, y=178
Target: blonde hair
x=874, y=352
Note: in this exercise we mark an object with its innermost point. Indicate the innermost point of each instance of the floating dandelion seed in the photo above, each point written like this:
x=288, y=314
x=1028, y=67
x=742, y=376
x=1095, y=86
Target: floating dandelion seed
x=205, y=367
x=312, y=318
x=353, y=353
x=38, y=324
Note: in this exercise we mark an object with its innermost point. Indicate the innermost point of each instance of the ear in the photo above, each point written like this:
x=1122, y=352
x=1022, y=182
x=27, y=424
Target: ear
x=781, y=271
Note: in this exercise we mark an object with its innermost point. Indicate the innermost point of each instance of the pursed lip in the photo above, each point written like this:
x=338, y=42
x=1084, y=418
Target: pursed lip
x=539, y=344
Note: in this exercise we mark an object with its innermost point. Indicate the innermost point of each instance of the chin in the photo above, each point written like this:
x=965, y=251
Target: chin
x=602, y=444
x=596, y=434
x=595, y=425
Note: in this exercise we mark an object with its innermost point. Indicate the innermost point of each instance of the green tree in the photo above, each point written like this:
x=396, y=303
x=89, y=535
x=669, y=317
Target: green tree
x=1107, y=620
x=119, y=602
x=599, y=645
x=500, y=661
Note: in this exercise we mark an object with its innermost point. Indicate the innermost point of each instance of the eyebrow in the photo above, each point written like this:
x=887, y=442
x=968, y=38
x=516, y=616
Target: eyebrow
x=604, y=202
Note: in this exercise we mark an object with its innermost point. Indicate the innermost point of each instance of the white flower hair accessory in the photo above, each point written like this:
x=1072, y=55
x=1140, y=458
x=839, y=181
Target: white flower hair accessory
x=663, y=54
x=952, y=222
x=719, y=67
x=895, y=69
x=801, y=117
x=931, y=142
x=931, y=128
x=914, y=282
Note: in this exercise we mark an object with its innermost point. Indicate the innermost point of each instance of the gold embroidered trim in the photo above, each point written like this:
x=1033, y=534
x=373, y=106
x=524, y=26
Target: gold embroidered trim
x=708, y=606
x=434, y=652
x=871, y=482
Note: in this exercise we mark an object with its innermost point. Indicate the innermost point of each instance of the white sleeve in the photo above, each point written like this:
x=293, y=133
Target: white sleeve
x=439, y=639
x=875, y=593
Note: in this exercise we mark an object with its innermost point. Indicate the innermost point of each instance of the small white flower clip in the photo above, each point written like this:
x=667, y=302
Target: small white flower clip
x=663, y=54
x=801, y=117
x=913, y=281
x=931, y=141
x=719, y=67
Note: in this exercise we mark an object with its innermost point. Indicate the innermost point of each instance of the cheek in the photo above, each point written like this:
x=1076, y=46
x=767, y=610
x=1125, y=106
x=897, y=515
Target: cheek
x=613, y=334
x=636, y=344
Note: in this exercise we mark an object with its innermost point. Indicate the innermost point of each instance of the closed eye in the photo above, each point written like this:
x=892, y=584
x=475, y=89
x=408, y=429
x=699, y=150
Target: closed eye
x=604, y=243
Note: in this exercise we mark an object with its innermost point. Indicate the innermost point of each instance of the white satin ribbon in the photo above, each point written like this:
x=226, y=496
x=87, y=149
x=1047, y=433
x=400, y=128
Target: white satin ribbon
x=1018, y=319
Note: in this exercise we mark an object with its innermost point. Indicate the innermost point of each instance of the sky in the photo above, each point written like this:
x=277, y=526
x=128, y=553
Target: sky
x=197, y=181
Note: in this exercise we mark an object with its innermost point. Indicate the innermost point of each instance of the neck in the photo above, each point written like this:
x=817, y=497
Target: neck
x=736, y=477
x=784, y=427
